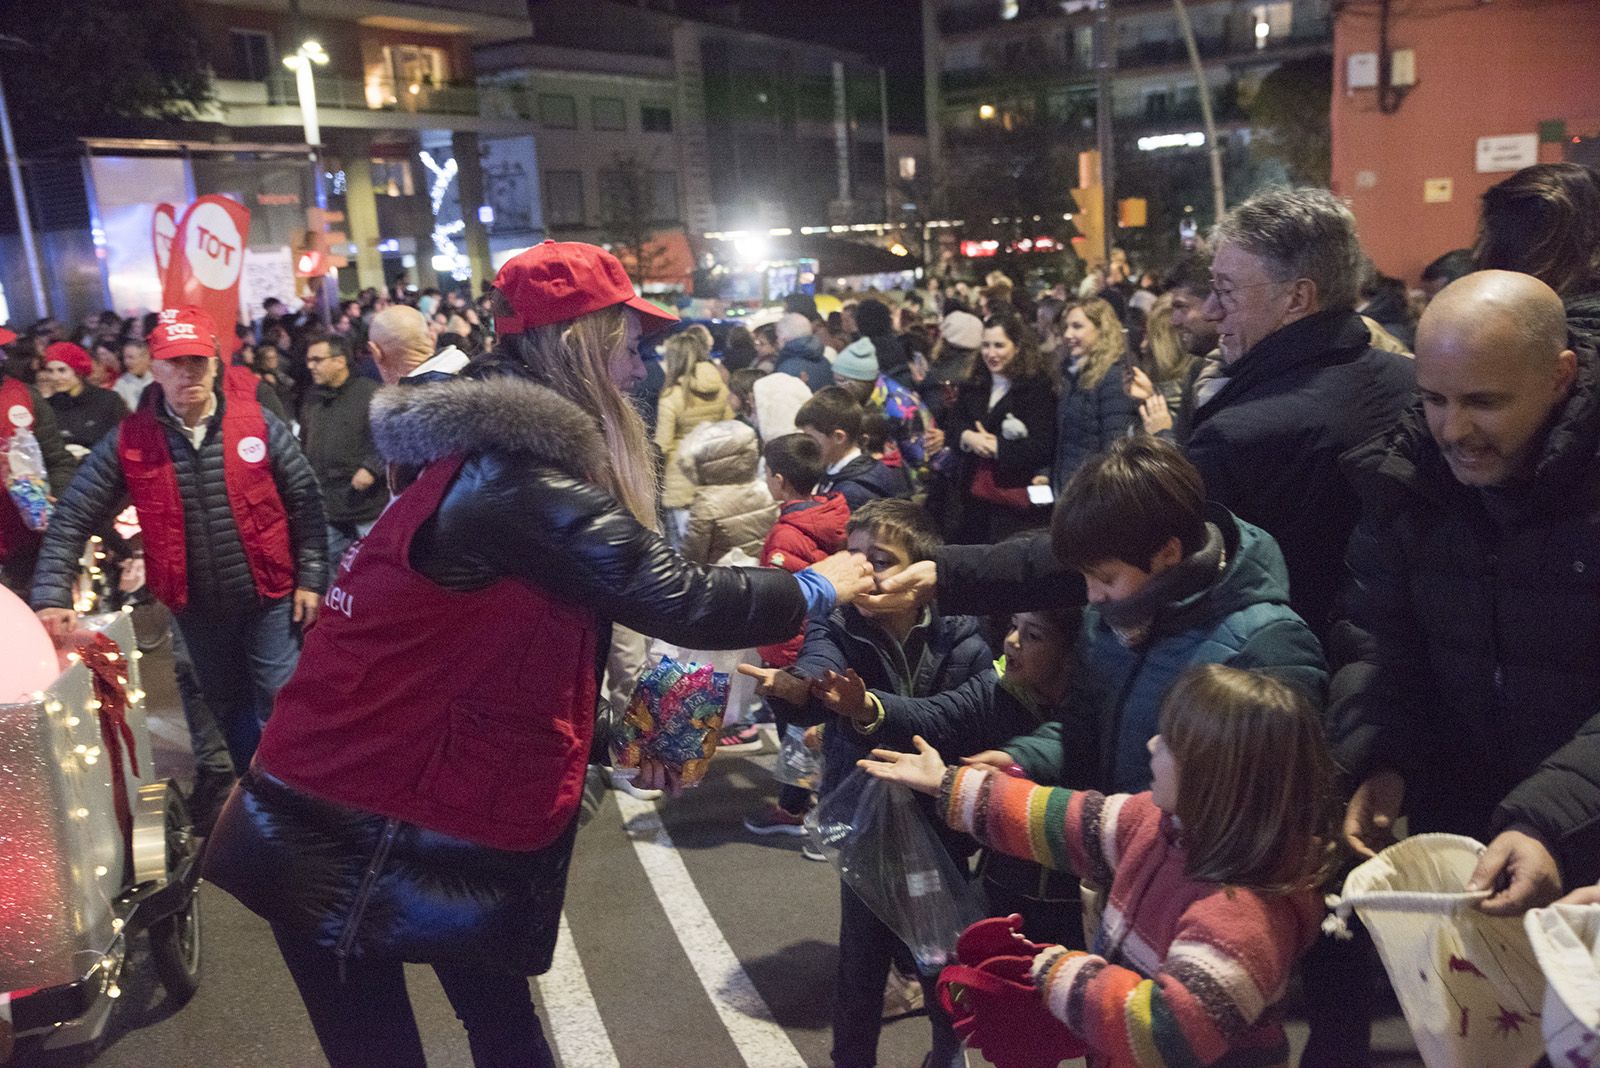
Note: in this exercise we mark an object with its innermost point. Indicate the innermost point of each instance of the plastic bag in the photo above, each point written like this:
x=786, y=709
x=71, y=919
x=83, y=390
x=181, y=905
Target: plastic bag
x=797, y=764
x=1468, y=982
x=25, y=479
x=674, y=716
x=1566, y=942
x=887, y=851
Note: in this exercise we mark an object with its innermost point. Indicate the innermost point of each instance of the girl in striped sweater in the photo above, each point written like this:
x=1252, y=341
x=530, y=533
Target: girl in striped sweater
x=1212, y=874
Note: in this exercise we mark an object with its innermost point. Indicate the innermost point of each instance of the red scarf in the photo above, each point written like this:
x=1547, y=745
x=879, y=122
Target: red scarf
x=16, y=409
x=258, y=509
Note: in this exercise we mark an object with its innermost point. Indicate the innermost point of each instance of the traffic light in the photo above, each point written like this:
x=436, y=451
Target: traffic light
x=1090, y=221
x=314, y=255
x=1132, y=212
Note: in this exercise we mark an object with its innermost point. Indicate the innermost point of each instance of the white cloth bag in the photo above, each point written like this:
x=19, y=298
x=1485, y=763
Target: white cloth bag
x=1566, y=941
x=1468, y=983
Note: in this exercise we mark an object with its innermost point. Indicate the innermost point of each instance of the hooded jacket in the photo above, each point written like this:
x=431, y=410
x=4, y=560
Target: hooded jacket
x=731, y=508
x=682, y=408
x=804, y=355
x=806, y=531
x=527, y=505
x=1242, y=620
x=1475, y=616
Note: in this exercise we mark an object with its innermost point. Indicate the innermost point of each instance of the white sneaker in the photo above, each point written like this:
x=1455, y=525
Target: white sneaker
x=627, y=787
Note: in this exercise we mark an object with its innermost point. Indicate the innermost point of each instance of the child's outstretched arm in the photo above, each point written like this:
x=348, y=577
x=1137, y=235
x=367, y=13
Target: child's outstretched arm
x=1228, y=964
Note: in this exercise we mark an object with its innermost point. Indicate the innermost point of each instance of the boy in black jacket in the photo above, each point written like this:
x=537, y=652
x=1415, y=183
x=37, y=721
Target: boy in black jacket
x=832, y=418
x=914, y=653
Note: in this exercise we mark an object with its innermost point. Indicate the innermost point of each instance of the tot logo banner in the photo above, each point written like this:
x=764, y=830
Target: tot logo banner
x=207, y=261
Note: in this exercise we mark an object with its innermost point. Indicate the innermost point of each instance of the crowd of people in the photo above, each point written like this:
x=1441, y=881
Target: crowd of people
x=1176, y=591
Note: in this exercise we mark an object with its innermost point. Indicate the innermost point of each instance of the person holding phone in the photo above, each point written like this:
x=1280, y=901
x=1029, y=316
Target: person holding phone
x=1094, y=410
x=1002, y=431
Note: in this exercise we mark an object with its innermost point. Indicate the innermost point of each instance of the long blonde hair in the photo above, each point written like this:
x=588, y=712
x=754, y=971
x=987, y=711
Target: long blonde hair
x=1168, y=361
x=1109, y=345
x=574, y=359
x=682, y=353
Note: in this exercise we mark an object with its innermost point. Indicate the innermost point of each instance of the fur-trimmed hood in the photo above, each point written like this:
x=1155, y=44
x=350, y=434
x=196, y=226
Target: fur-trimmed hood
x=416, y=425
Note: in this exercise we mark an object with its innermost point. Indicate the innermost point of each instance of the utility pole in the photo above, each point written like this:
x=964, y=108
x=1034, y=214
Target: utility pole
x=1219, y=200
x=30, y=250
x=1105, y=65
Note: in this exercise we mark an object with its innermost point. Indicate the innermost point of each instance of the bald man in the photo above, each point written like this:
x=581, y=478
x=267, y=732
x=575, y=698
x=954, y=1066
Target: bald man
x=1470, y=701
x=402, y=346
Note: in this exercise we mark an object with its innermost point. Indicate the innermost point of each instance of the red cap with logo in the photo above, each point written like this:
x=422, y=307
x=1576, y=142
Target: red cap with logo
x=74, y=356
x=563, y=280
x=183, y=332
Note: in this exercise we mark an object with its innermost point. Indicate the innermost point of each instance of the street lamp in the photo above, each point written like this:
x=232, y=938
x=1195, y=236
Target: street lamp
x=30, y=250
x=301, y=61
x=986, y=111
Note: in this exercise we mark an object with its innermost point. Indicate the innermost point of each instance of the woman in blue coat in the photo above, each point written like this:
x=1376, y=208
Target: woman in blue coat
x=1094, y=409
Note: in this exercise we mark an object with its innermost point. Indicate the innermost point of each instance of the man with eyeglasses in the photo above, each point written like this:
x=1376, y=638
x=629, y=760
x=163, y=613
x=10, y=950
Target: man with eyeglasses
x=336, y=433
x=1302, y=383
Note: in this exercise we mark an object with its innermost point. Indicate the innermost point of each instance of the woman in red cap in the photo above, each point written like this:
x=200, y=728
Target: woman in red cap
x=414, y=797
x=84, y=412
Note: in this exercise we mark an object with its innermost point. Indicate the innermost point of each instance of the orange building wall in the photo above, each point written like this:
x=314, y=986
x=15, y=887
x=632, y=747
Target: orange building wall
x=1484, y=68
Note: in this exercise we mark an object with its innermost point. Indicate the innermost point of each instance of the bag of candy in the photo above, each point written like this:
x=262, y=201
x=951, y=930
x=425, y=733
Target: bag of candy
x=25, y=478
x=797, y=764
x=674, y=717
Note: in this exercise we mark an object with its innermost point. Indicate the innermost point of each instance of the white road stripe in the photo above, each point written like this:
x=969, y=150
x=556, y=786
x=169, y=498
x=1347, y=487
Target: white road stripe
x=759, y=1039
x=571, y=1015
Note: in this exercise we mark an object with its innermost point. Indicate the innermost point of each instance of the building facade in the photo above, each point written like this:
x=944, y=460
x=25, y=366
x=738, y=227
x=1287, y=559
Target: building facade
x=1467, y=95
x=1011, y=83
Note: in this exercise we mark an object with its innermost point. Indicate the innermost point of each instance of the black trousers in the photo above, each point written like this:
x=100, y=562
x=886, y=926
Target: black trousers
x=365, y=1019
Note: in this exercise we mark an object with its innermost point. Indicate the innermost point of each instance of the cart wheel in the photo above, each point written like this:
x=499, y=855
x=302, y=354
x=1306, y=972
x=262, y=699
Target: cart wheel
x=175, y=940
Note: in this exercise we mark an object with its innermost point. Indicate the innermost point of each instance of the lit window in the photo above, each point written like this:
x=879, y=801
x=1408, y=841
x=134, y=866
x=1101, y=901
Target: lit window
x=1272, y=20
x=908, y=168
x=1010, y=8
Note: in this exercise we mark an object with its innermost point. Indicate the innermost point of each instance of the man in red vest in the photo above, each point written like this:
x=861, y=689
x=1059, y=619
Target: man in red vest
x=22, y=408
x=235, y=542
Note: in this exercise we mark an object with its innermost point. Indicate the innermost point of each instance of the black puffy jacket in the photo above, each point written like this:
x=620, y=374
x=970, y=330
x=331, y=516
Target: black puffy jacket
x=1474, y=617
x=525, y=505
x=219, y=574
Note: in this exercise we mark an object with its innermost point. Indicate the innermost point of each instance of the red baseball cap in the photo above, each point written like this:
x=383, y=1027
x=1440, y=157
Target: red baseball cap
x=183, y=332
x=74, y=356
x=6, y=336
x=563, y=280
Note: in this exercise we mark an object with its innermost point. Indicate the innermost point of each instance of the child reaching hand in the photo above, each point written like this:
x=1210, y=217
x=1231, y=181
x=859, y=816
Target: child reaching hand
x=1212, y=874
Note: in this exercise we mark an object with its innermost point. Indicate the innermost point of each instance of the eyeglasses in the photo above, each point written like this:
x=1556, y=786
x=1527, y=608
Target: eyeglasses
x=1228, y=298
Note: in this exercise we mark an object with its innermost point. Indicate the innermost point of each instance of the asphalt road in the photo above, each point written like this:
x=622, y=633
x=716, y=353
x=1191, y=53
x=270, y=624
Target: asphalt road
x=690, y=944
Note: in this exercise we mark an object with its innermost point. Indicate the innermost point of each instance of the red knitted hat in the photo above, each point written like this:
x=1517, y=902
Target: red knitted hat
x=72, y=355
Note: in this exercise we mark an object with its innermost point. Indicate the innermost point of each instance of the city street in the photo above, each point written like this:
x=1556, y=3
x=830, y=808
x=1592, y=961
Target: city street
x=690, y=944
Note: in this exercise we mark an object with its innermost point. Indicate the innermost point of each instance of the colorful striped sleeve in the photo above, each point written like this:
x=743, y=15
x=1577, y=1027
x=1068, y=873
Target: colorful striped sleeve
x=1220, y=976
x=1068, y=830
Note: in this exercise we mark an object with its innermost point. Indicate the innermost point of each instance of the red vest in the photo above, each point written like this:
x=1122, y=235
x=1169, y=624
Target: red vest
x=253, y=498
x=467, y=713
x=16, y=409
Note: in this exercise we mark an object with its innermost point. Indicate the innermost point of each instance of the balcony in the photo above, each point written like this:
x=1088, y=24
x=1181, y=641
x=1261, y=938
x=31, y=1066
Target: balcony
x=353, y=94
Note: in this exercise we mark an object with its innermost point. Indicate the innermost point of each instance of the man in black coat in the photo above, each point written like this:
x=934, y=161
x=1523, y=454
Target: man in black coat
x=1474, y=703
x=336, y=433
x=1302, y=387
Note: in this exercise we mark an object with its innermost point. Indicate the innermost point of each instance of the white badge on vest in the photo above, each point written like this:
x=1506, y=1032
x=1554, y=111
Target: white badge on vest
x=19, y=415
x=252, y=450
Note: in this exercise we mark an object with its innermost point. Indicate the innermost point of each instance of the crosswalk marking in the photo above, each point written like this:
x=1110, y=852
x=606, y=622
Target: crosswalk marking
x=576, y=1029
x=758, y=1038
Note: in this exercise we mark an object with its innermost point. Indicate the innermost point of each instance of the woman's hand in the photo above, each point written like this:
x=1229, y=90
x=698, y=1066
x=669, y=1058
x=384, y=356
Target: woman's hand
x=911, y=588
x=848, y=573
x=932, y=440
x=844, y=695
x=980, y=442
x=1155, y=413
x=923, y=771
x=654, y=775
x=776, y=682
x=1137, y=385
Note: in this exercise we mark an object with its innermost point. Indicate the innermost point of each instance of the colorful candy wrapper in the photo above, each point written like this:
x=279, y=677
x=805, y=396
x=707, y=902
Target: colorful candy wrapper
x=24, y=478
x=674, y=716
